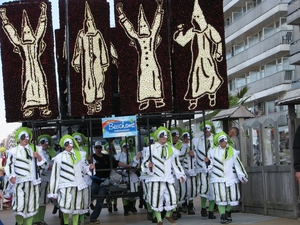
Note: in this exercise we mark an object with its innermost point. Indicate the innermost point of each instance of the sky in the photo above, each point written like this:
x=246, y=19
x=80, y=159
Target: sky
x=8, y=128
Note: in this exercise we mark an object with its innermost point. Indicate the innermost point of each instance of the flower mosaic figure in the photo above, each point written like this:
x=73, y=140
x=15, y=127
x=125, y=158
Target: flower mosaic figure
x=146, y=40
x=30, y=47
x=206, y=49
x=91, y=59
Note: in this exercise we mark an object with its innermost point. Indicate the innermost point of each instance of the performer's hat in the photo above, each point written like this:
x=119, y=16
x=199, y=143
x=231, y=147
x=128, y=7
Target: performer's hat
x=45, y=138
x=79, y=137
x=161, y=132
x=221, y=136
x=176, y=131
x=208, y=126
x=23, y=132
x=186, y=134
x=68, y=139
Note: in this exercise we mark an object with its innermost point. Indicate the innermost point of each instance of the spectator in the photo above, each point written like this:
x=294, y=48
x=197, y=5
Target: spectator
x=102, y=173
x=234, y=135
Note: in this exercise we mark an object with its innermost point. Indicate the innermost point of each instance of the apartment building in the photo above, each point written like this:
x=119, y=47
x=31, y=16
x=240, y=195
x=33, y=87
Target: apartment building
x=258, y=40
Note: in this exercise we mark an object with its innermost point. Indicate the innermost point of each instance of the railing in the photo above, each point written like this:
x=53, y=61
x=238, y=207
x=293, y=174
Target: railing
x=293, y=6
x=257, y=49
x=226, y=2
x=295, y=47
x=251, y=15
x=282, y=77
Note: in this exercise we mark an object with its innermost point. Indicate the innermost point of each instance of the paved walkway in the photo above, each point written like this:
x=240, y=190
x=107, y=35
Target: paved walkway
x=117, y=218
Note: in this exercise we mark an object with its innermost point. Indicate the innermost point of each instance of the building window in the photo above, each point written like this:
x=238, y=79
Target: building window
x=270, y=68
x=270, y=107
x=230, y=85
x=252, y=77
x=240, y=82
x=268, y=31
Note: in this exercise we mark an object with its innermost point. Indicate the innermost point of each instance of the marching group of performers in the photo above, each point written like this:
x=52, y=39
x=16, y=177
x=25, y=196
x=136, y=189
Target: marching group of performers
x=174, y=169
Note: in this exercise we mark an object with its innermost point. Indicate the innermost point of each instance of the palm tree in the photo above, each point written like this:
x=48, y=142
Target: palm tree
x=234, y=100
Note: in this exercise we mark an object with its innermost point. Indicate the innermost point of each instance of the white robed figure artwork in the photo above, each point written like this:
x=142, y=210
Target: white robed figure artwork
x=146, y=41
x=91, y=59
x=30, y=46
x=206, y=49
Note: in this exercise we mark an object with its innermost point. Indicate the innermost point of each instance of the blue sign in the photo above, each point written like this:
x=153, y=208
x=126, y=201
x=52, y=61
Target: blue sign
x=119, y=126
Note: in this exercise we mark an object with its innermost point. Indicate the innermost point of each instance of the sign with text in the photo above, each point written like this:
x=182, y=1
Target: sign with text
x=119, y=126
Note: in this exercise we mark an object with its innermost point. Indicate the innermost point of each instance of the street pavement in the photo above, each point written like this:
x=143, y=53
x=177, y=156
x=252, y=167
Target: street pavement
x=140, y=218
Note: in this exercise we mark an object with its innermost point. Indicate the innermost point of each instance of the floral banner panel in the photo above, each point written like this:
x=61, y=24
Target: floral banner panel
x=143, y=56
x=89, y=49
x=28, y=61
x=198, y=55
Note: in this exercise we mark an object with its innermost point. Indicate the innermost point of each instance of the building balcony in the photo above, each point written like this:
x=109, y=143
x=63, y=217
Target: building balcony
x=254, y=20
x=293, y=17
x=273, y=84
x=295, y=53
x=232, y=5
x=259, y=54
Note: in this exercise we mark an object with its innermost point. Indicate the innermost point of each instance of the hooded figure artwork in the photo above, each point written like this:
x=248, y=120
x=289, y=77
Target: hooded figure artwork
x=92, y=65
x=206, y=49
x=146, y=41
x=30, y=46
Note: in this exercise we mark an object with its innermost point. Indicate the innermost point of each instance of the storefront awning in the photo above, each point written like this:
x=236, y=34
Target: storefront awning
x=290, y=97
x=234, y=113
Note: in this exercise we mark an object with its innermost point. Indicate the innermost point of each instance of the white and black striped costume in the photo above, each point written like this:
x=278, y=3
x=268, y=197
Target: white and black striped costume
x=23, y=166
x=87, y=179
x=67, y=182
x=205, y=190
x=45, y=175
x=225, y=174
x=189, y=166
x=160, y=181
x=143, y=179
x=181, y=188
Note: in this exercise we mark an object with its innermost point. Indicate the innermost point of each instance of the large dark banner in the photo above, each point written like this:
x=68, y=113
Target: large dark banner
x=143, y=56
x=90, y=81
x=28, y=61
x=198, y=55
